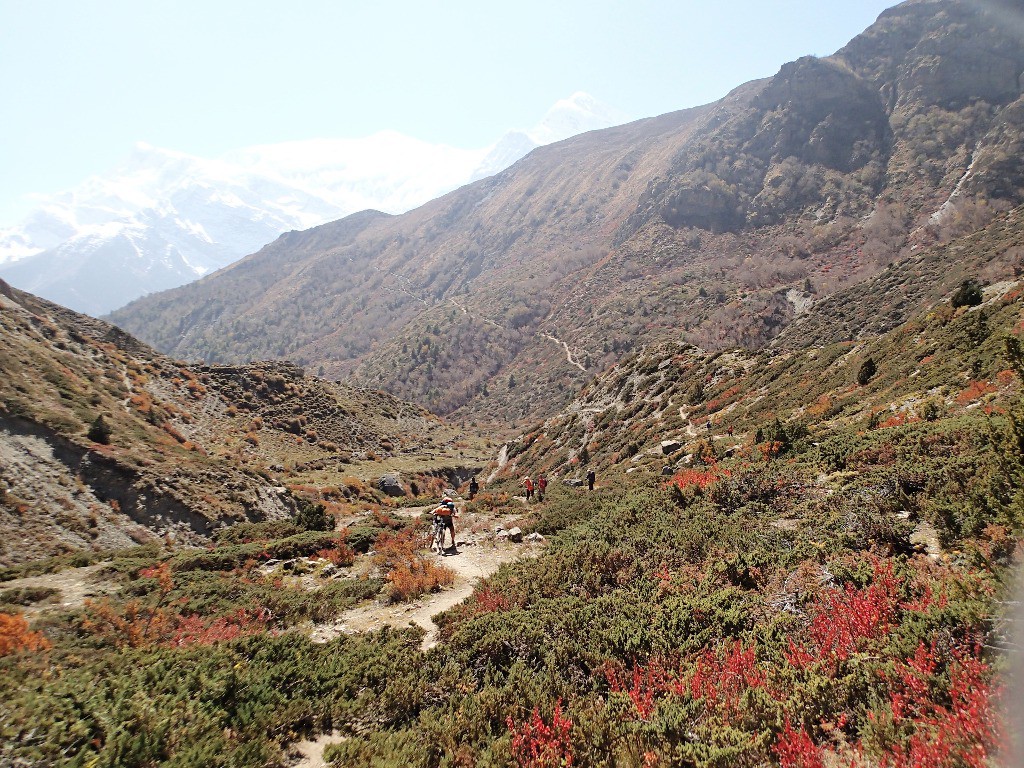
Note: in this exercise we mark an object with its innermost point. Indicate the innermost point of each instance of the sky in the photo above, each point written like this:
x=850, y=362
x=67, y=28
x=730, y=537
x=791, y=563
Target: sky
x=81, y=81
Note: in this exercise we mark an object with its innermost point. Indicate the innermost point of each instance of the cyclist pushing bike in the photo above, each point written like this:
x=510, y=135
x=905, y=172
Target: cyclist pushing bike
x=444, y=516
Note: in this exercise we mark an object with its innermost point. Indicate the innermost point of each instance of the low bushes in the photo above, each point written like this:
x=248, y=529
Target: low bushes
x=408, y=572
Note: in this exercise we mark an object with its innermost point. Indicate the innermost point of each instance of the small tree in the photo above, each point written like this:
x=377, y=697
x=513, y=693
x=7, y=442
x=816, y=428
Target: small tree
x=866, y=372
x=99, y=431
x=969, y=294
x=695, y=395
x=312, y=516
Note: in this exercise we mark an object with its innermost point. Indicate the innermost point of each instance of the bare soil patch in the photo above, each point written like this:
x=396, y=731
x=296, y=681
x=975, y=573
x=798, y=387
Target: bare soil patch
x=74, y=586
x=309, y=753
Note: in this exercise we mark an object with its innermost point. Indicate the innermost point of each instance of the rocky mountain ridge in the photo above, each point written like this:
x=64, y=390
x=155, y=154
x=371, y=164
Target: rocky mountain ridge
x=715, y=225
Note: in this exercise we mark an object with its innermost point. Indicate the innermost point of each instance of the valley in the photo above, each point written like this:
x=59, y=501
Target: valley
x=710, y=225
x=784, y=331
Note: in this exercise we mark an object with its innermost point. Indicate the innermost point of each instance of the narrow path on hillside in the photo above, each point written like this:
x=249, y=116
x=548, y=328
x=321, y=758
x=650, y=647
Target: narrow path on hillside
x=484, y=320
x=460, y=306
x=477, y=557
x=402, y=287
x=568, y=354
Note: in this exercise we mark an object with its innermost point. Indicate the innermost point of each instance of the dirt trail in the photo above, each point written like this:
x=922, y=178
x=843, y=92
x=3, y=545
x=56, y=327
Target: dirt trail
x=309, y=753
x=74, y=586
x=471, y=564
x=475, y=558
x=568, y=354
x=926, y=536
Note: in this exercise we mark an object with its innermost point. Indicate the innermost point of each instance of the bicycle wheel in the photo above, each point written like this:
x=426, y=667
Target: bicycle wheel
x=438, y=543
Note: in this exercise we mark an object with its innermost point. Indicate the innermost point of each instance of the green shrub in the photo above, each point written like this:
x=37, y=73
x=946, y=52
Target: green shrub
x=866, y=372
x=969, y=294
x=99, y=431
x=312, y=516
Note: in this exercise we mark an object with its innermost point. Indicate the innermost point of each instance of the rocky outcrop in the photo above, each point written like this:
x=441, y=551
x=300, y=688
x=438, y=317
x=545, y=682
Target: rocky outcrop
x=58, y=496
x=942, y=54
x=391, y=485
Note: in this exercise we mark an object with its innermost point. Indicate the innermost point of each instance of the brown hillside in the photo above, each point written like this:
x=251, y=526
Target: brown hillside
x=714, y=225
x=671, y=407
x=105, y=443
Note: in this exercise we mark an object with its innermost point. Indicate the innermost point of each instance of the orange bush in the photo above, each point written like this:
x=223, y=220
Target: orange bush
x=340, y=554
x=974, y=391
x=132, y=626
x=1005, y=377
x=15, y=635
x=409, y=574
x=898, y=420
x=689, y=478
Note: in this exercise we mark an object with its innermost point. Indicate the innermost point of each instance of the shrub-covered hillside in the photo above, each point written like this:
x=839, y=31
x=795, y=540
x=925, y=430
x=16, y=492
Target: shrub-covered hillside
x=791, y=559
x=105, y=443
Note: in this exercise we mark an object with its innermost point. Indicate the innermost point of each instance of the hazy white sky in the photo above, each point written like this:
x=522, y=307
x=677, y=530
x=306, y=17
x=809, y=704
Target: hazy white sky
x=82, y=80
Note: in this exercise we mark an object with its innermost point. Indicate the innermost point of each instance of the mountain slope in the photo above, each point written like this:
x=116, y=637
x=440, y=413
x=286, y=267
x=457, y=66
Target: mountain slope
x=713, y=225
x=991, y=256
x=104, y=443
x=164, y=218
x=666, y=405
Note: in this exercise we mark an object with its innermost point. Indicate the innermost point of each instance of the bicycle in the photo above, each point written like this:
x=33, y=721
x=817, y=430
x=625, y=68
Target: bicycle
x=437, y=535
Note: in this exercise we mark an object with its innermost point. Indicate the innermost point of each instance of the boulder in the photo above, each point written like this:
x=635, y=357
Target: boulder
x=573, y=482
x=515, y=534
x=391, y=485
x=670, y=446
x=535, y=538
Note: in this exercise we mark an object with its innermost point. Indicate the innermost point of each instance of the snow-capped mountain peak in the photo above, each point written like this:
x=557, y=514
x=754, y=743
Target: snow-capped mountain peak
x=162, y=218
x=580, y=113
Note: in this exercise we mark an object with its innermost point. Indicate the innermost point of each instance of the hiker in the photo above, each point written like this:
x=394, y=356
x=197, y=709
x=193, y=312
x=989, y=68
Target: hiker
x=542, y=485
x=445, y=512
x=591, y=477
x=528, y=485
x=474, y=487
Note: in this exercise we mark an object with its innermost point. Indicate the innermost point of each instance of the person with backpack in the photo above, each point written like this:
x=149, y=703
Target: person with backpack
x=445, y=512
x=542, y=485
x=591, y=478
x=474, y=488
x=528, y=485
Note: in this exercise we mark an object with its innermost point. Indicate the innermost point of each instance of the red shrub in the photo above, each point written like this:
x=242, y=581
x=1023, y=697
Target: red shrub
x=488, y=600
x=798, y=656
x=643, y=686
x=535, y=744
x=796, y=750
x=197, y=630
x=721, y=679
x=967, y=731
x=975, y=391
x=842, y=619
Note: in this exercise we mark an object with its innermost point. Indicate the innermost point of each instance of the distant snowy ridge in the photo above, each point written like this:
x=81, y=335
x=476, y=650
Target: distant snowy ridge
x=163, y=218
